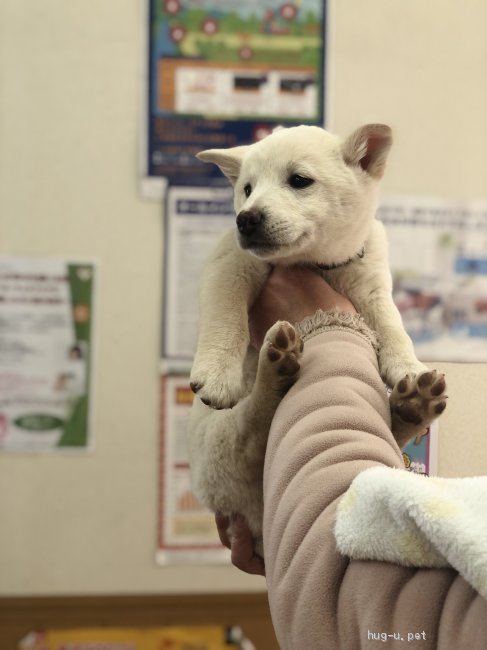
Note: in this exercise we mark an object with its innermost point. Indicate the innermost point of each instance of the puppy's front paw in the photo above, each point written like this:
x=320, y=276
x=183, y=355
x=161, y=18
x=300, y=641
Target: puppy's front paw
x=219, y=386
x=416, y=400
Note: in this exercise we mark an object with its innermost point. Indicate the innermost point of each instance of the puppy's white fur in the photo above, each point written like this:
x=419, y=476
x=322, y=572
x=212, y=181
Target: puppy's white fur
x=327, y=223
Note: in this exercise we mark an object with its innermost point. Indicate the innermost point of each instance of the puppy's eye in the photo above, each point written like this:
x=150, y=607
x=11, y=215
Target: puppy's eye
x=248, y=189
x=300, y=182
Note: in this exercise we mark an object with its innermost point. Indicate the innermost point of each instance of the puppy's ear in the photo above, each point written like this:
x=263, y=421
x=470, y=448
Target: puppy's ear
x=368, y=147
x=228, y=160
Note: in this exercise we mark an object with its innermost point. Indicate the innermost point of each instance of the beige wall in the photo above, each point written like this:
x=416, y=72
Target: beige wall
x=70, y=84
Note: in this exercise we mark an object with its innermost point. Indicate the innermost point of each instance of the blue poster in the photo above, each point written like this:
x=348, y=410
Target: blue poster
x=224, y=73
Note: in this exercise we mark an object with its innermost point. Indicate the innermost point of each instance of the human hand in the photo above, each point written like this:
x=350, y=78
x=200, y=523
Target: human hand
x=292, y=293
x=240, y=543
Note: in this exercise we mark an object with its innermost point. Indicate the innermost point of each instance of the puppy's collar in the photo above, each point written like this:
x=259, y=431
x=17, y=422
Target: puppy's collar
x=337, y=265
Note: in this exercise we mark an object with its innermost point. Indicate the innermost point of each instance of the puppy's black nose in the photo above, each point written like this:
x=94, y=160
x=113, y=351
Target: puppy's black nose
x=248, y=221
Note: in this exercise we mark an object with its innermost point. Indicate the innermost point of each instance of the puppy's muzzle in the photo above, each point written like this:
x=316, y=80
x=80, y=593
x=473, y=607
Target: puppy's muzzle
x=249, y=221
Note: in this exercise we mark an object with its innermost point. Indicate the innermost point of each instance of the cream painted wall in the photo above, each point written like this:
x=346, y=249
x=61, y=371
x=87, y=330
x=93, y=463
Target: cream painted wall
x=422, y=68
x=70, y=83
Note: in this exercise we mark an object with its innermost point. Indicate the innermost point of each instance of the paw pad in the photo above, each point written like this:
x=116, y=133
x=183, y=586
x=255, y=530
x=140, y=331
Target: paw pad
x=417, y=400
x=283, y=349
x=285, y=337
x=409, y=413
x=289, y=366
x=273, y=354
x=402, y=385
x=439, y=387
x=426, y=379
x=439, y=408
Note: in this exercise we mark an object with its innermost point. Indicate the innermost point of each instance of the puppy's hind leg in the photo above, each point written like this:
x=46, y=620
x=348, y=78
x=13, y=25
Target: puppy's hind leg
x=227, y=447
x=276, y=372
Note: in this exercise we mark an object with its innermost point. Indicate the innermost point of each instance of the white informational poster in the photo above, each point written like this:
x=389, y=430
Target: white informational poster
x=195, y=219
x=438, y=257
x=187, y=530
x=46, y=353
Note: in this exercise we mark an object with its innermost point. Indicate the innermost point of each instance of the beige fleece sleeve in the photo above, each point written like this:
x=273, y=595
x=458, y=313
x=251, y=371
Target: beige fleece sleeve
x=333, y=424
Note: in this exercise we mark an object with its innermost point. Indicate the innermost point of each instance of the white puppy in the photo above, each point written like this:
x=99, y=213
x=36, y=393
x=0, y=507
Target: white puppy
x=302, y=196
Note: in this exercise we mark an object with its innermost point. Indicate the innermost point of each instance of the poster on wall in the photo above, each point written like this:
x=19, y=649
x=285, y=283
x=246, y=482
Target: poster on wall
x=224, y=73
x=46, y=354
x=195, y=218
x=187, y=530
x=421, y=454
x=438, y=257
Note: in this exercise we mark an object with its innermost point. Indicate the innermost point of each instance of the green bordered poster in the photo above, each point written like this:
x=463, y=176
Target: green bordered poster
x=224, y=72
x=46, y=353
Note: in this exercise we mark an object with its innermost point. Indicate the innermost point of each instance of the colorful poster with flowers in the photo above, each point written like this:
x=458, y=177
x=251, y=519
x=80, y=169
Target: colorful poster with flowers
x=224, y=73
x=46, y=353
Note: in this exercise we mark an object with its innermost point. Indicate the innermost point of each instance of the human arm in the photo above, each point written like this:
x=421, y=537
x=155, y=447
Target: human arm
x=334, y=423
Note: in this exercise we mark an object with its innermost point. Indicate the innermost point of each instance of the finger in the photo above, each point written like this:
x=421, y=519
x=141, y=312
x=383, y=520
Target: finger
x=242, y=545
x=222, y=524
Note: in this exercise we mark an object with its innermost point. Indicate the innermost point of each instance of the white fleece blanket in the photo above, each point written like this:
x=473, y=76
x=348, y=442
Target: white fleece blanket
x=397, y=516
